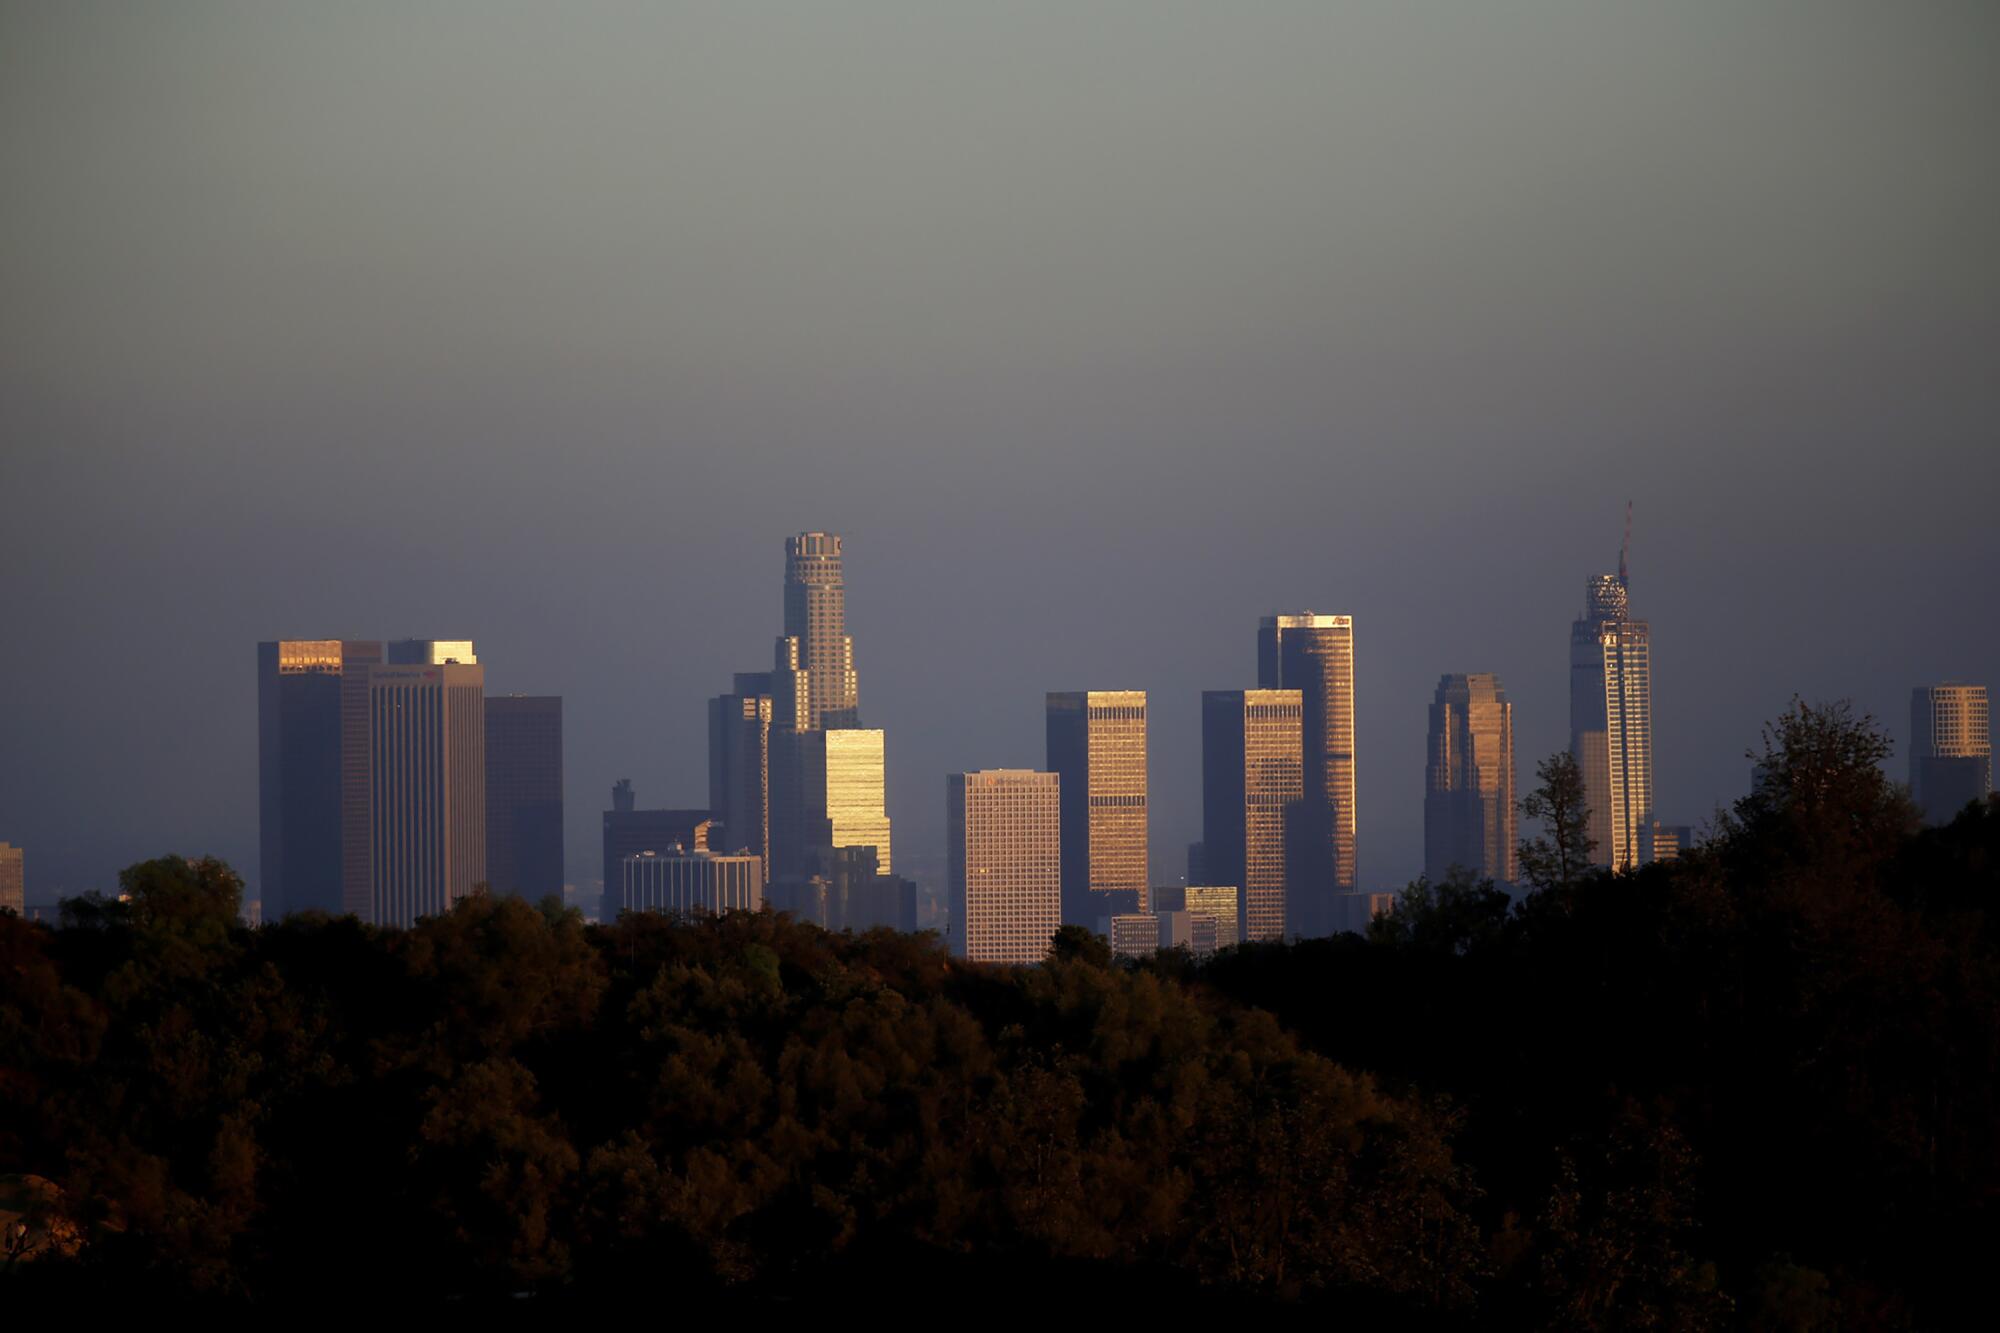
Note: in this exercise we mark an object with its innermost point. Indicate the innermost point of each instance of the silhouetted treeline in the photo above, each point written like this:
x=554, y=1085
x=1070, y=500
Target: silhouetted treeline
x=1752, y=1087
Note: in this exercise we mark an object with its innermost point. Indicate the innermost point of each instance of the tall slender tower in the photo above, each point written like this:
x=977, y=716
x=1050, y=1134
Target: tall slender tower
x=1951, y=748
x=1003, y=864
x=1611, y=715
x=1314, y=654
x=1469, y=817
x=1097, y=746
x=1251, y=790
x=816, y=620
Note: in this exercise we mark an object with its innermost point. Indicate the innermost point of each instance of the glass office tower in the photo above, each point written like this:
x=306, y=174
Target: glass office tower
x=1314, y=654
x=1097, y=746
x=300, y=746
x=1252, y=784
x=1469, y=812
x=524, y=795
x=816, y=624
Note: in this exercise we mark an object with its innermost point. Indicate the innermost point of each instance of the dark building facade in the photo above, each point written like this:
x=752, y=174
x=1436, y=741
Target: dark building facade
x=299, y=770
x=1951, y=748
x=631, y=832
x=524, y=795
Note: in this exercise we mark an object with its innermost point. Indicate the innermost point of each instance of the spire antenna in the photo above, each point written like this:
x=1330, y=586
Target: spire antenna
x=1625, y=551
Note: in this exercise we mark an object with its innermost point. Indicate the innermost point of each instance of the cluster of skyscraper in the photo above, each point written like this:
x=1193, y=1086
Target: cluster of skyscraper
x=391, y=786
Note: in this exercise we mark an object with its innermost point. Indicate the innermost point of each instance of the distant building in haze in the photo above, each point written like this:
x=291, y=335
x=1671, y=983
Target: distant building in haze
x=1665, y=842
x=1213, y=902
x=629, y=832
x=1951, y=749
x=688, y=882
x=300, y=770
x=1314, y=654
x=413, y=788
x=1003, y=864
x=1251, y=787
x=13, y=880
x=739, y=764
x=1611, y=717
x=1469, y=812
x=816, y=622
x=524, y=795
x=827, y=792
x=1097, y=746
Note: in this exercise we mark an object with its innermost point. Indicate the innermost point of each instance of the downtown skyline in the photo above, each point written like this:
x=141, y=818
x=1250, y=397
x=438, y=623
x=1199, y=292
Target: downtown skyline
x=1367, y=320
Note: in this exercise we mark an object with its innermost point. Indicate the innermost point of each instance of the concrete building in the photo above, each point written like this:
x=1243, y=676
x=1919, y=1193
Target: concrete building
x=1134, y=934
x=524, y=795
x=690, y=882
x=1470, y=818
x=1196, y=932
x=1003, y=841
x=816, y=630
x=413, y=789
x=1252, y=786
x=1611, y=717
x=1665, y=842
x=1951, y=749
x=1097, y=747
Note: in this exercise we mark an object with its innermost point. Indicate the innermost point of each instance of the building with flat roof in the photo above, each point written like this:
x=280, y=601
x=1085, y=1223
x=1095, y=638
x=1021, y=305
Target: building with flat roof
x=1003, y=863
x=524, y=795
x=1252, y=785
x=1951, y=748
x=1314, y=654
x=1097, y=747
x=690, y=882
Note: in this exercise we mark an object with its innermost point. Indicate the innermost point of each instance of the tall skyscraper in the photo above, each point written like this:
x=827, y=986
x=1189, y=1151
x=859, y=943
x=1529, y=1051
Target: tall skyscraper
x=415, y=790
x=1611, y=717
x=13, y=880
x=1003, y=838
x=1314, y=654
x=1097, y=746
x=1951, y=748
x=300, y=770
x=816, y=629
x=1469, y=815
x=524, y=795
x=1252, y=783
x=739, y=764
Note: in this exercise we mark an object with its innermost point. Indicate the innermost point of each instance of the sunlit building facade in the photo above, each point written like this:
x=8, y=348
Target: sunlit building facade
x=827, y=792
x=690, y=882
x=1469, y=812
x=1314, y=654
x=13, y=879
x=422, y=782
x=1216, y=903
x=1951, y=748
x=524, y=795
x=1134, y=934
x=1611, y=719
x=1252, y=785
x=1003, y=841
x=816, y=623
x=1097, y=746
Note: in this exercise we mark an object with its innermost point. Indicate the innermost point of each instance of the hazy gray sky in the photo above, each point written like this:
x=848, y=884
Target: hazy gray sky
x=1097, y=329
